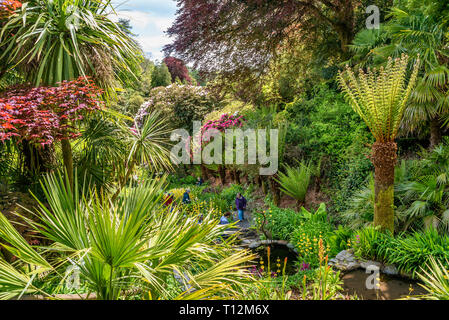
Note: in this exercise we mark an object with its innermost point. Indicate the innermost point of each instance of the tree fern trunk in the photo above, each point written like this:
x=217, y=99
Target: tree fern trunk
x=204, y=172
x=237, y=177
x=384, y=157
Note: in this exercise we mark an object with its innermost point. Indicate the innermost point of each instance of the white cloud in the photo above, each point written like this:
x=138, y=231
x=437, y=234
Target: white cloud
x=153, y=45
x=149, y=29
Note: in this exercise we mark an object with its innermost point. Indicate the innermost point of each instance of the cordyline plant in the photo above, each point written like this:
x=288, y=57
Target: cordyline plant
x=44, y=115
x=50, y=41
x=380, y=98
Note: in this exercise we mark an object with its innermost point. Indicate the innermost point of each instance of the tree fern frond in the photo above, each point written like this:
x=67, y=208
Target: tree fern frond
x=380, y=96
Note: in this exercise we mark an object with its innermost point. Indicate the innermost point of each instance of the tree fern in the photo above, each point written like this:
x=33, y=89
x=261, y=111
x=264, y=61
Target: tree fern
x=380, y=96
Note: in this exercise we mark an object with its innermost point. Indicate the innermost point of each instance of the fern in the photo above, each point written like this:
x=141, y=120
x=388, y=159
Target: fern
x=295, y=181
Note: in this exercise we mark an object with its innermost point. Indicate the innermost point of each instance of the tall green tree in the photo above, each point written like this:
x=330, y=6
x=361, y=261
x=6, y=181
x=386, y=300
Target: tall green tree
x=161, y=76
x=380, y=98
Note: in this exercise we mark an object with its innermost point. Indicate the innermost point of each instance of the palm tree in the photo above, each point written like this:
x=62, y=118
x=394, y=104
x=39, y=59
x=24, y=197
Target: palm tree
x=427, y=190
x=380, y=98
x=435, y=279
x=128, y=247
x=102, y=150
x=51, y=41
x=147, y=145
x=421, y=36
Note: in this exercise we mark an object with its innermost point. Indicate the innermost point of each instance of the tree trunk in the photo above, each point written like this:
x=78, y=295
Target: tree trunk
x=233, y=177
x=36, y=160
x=124, y=180
x=258, y=181
x=237, y=177
x=264, y=185
x=276, y=192
x=384, y=157
x=435, y=133
x=204, y=173
x=344, y=25
x=222, y=173
x=67, y=156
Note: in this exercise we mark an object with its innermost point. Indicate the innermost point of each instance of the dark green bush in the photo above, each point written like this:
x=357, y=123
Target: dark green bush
x=229, y=194
x=323, y=127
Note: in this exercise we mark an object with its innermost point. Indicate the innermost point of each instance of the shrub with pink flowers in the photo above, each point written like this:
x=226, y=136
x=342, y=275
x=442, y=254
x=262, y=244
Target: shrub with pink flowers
x=226, y=121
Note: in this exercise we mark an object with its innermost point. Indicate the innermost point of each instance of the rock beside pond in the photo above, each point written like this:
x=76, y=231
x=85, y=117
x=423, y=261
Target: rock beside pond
x=391, y=270
x=345, y=261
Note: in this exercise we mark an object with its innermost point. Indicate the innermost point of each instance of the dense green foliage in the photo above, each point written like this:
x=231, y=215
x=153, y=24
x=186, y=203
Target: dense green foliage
x=118, y=217
x=408, y=252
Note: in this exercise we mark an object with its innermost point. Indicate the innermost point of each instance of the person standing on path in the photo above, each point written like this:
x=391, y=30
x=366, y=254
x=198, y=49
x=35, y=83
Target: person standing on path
x=240, y=203
x=186, y=197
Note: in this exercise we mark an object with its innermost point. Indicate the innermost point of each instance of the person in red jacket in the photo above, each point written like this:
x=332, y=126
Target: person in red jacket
x=169, y=201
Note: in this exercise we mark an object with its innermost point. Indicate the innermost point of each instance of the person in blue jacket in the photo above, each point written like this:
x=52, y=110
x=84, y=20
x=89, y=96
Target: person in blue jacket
x=240, y=203
x=186, y=197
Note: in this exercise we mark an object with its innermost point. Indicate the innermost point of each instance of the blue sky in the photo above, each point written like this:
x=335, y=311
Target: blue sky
x=149, y=19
